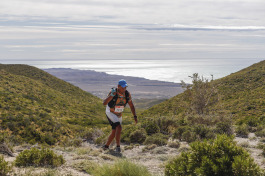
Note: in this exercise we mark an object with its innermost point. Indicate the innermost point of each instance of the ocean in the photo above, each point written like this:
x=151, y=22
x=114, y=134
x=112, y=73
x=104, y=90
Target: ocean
x=163, y=70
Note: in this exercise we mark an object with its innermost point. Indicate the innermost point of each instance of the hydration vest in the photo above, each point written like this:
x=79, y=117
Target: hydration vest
x=112, y=102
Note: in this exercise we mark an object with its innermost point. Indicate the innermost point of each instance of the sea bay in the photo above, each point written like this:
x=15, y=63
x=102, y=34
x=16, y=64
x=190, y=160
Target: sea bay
x=163, y=70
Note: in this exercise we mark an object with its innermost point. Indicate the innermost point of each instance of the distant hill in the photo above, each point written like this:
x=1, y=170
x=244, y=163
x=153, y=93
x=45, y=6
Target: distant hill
x=99, y=84
x=38, y=107
x=242, y=95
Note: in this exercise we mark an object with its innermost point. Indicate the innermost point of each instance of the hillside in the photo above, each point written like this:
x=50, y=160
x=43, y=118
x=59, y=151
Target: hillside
x=38, y=107
x=242, y=95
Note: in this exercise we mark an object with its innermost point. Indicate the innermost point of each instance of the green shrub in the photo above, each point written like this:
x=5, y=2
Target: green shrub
x=220, y=156
x=46, y=172
x=179, y=132
x=203, y=132
x=76, y=142
x=173, y=144
x=5, y=168
x=48, y=139
x=85, y=166
x=102, y=139
x=158, y=124
x=245, y=167
x=8, y=140
x=151, y=126
x=92, y=134
x=224, y=128
x=166, y=124
x=188, y=136
x=121, y=168
x=242, y=130
x=69, y=142
x=260, y=131
x=36, y=157
x=253, y=122
x=138, y=136
x=158, y=139
x=103, y=136
x=125, y=134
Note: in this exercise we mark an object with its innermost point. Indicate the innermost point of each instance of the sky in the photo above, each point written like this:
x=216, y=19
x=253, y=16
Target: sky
x=49, y=30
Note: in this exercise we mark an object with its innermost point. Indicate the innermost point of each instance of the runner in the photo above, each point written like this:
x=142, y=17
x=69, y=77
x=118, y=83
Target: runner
x=115, y=104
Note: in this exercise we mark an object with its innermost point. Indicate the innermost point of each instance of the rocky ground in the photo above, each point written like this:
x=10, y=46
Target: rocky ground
x=153, y=157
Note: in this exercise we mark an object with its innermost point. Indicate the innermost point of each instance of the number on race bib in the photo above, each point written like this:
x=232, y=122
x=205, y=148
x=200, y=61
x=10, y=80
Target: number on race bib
x=119, y=108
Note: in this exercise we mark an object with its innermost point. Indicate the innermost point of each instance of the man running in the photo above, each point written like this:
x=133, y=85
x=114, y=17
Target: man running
x=116, y=102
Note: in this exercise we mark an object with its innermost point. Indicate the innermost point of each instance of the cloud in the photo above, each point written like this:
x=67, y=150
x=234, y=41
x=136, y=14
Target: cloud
x=200, y=27
x=131, y=29
x=203, y=12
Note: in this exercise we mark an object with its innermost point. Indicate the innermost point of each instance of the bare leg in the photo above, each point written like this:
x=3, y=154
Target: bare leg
x=111, y=137
x=118, y=135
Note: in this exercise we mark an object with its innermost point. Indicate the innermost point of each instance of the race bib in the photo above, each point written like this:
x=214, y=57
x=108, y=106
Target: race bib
x=119, y=108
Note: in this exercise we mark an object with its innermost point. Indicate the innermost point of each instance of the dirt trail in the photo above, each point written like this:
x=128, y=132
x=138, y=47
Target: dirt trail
x=154, y=159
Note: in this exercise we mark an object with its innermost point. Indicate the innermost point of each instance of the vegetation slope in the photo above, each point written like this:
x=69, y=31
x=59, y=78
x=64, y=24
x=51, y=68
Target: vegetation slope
x=240, y=94
x=38, y=107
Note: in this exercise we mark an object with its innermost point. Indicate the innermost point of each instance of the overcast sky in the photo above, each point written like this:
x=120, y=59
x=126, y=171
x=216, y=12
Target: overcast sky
x=131, y=29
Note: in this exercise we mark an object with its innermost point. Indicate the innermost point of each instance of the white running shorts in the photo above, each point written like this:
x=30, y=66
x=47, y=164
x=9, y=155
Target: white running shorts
x=113, y=117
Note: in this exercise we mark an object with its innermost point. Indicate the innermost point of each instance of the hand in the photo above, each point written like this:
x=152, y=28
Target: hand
x=113, y=92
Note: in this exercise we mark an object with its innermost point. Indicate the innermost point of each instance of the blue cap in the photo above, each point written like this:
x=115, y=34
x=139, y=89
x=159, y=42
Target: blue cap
x=123, y=83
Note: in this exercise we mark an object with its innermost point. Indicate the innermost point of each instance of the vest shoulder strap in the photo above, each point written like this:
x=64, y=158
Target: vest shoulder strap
x=112, y=102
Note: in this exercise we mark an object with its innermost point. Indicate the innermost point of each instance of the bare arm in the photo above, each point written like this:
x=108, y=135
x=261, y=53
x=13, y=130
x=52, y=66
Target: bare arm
x=110, y=96
x=107, y=100
x=133, y=110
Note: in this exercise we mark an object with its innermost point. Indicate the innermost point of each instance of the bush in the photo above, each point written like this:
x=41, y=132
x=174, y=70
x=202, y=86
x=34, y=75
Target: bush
x=8, y=140
x=224, y=128
x=173, y=144
x=158, y=139
x=102, y=139
x=92, y=134
x=203, y=132
x=128, y=129
x=151, y=126
x=185, y=133
x=5, y=168
x=69, y=142
x=138, y=136
x=36, y=157
x=260, y=131
x=201, y=94
x=188, y=136
x=76, y=142
x=166, y=124
x=163, y=125
x=242, y=130
x=245, y=167
x=220, y=156
x=179, y=132
x=85, y=166
x=121, y=168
